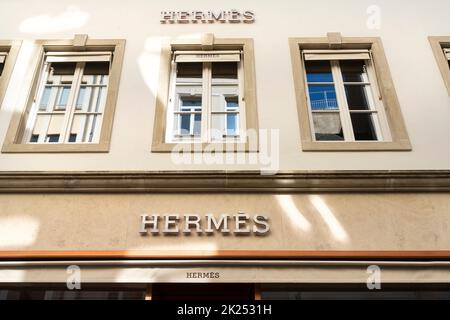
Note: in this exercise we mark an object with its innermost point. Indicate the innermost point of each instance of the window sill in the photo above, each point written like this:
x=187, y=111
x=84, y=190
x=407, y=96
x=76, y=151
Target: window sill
x=356, y=146
x=229, y=147
x=56, y=148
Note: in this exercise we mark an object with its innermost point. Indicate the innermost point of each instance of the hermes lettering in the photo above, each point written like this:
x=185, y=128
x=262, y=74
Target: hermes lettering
x=225, y=224
x=223, y=16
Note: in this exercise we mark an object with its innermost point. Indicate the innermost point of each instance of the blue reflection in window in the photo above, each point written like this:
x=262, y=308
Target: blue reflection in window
x=231, y=124
x=322, y=97
x=185, y=127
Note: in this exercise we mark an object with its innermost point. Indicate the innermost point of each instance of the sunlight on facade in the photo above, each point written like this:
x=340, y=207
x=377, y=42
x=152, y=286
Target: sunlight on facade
x=148, y=61
x=297, y=219
x=12, y=276
x=18, y=231
x=72, y=18
x=13, y=97
x=329, y=218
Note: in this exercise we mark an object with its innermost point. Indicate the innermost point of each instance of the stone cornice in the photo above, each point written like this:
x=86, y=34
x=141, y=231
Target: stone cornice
x=224, y=182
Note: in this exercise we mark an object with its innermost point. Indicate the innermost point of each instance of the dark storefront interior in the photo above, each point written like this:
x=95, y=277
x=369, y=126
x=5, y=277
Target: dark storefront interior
x=236, y=292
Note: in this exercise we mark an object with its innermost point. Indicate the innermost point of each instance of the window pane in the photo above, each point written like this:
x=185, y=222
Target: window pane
x=34, y=138
x=188, y=99
x=52, y=138
x=191, y=103
x=96, y=68
x=72, y=137
x=185, y=124
x=327, y=127
x=322, y=97
x=359, y=97
x=63, y=97
x=1, y=68
x=85, y=127
x=232, y=124
x=189, y=122
x=354, y=70
x=92, y=93
x=232, y=103
x=191, y=70
x=318, y=71
x=363, y=127
x=55, y=95
x=197, y=124
x=224, y=70
x=43, y=104
x=63, y=68
x=81, y=97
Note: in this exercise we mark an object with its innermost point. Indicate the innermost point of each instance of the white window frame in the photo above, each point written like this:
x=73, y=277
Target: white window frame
x=206, y=58
x=376, y=107
x=80, y=58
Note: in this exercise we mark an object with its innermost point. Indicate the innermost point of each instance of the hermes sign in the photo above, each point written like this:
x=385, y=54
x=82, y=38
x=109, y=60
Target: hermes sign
x=225, y=224
x=222, y=16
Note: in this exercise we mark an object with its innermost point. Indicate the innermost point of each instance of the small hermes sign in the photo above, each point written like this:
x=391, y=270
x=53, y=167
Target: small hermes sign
x=174, y=224
x=198, y=16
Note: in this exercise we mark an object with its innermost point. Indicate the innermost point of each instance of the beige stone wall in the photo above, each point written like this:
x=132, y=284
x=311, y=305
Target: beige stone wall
x=405, y=27
x=298, y=222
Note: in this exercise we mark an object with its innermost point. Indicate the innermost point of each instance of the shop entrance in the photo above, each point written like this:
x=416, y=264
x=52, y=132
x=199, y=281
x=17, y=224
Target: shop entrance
x=203, y=291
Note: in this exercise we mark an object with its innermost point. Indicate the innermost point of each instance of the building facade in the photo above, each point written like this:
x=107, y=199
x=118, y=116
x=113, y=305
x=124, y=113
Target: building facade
x=224, y=150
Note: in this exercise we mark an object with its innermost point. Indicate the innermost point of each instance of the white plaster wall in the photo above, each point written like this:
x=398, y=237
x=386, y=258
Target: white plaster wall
x=404, y=30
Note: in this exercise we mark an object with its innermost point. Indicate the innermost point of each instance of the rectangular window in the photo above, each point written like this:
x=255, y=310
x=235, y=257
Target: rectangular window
x=205, y=97
x=343, y=95
x=71, y=98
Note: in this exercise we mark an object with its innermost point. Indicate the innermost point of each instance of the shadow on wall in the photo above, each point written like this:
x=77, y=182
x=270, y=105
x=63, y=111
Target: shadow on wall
x=69, y=226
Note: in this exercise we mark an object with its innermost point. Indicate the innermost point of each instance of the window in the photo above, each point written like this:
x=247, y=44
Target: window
x=8, y=55
x=343, y=104
x=205, y=94
x=342, y=96
x=71, y=99
x=441, y=50
x=72, y=102
x=209, y=97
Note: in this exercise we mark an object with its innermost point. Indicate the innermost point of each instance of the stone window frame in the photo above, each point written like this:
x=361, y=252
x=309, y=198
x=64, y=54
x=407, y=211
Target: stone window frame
x=12, y=47
x=14, y=138
x=207, y=42
x=397, y=129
